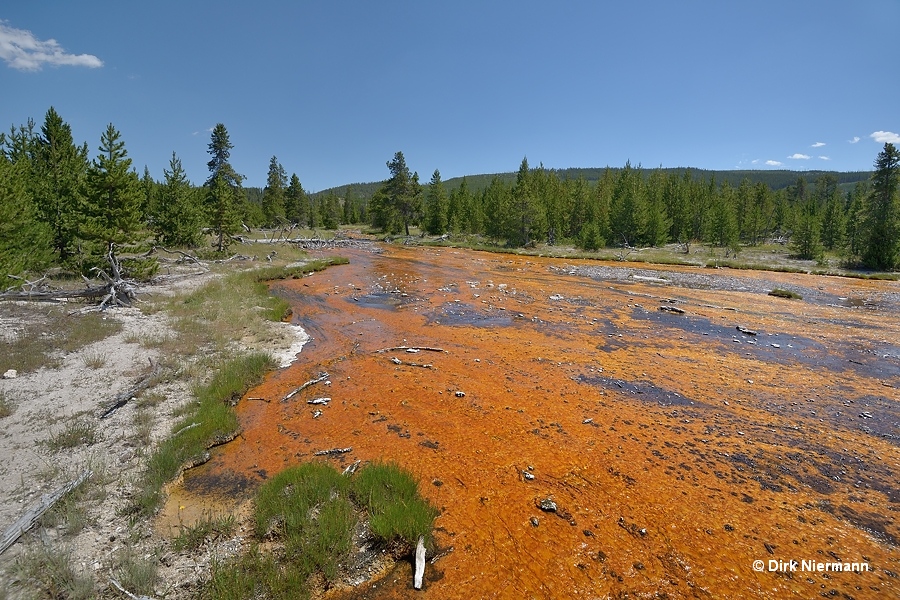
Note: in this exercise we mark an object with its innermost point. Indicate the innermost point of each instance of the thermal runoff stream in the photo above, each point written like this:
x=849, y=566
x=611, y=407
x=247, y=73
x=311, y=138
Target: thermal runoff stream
x=597, y=429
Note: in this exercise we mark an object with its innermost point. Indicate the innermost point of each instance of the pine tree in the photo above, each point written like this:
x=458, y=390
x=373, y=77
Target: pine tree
x=436, y=205
x=625, y=210
x=59, y=178
x=296, y=203
x=273, y=200
x=224, y=192
x=24, y=239
x=524, y=218
x=113, y=214
x=178, y=214
x=806, y=237
x=723, y=227
x=403, y=192
x=881, y=249
x=655, y=223
x=496, y=207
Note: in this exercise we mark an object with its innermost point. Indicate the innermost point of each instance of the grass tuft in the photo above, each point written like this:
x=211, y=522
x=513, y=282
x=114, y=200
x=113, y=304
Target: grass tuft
x=208, y=528
x=391, y=496
x=780, y=293
x=50, y=573
x=77, y=432
x=310, y=514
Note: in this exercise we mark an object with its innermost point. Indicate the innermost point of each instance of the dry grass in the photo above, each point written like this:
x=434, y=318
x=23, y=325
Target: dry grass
x=45, y=338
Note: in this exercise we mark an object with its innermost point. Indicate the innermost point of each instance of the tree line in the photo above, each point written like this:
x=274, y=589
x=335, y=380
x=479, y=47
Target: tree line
x=59, y=206
x=626, y=209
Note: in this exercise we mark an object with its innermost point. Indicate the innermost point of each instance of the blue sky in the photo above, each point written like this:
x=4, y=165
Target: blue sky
x=335, y=88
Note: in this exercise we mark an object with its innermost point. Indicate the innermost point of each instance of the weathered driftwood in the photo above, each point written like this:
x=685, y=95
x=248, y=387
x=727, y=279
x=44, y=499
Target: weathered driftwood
x=322, y=377
x=351, y=469
x=114, y=291
x=319, y=401
x=672, y=309
x=123, y=398
x=408, y=348
x=397, y=361
x=333, y=451
x=420, y=563
x=31, y=516
x=745, y=331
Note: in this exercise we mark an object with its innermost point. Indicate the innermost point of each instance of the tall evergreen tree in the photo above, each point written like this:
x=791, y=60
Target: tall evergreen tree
x=25, y=241
x=178, y=214
x=881, y=249
x=403, y=191
x=296, y=202
x=496, y=207
x=436, y=205
x=113, y=214
x=806, y=239
x=273, y=200
x=625, y=210
x=58, y=184
x=854, y=228
x=224, y=191
x=655, y=223
x=525, y=217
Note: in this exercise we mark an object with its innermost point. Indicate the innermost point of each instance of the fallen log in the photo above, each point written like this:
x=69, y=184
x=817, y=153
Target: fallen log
x=322, y=377
x=31, y=516
x=123, y=398
x=745, y=331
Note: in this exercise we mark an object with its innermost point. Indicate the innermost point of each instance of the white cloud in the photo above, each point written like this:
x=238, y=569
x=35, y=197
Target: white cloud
x=818, y=145
x=22, y=51
x=885, y=137
x=755, y=161
x=774, y=163
x=825, y=157
x=854, y=140
x=799, y=156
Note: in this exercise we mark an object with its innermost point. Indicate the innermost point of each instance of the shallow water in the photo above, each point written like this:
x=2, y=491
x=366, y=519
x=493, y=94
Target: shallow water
x=678, y=450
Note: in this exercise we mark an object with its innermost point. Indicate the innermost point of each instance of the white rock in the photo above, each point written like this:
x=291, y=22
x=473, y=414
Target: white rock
x=11, y=374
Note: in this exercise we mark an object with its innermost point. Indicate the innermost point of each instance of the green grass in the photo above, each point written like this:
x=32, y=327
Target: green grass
x=391, y=497
x=309, y=513
x=206, y=529
x=212, y=409
x=780, y=293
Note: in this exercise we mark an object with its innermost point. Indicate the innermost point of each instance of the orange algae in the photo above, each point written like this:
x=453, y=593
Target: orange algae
x=677, y=449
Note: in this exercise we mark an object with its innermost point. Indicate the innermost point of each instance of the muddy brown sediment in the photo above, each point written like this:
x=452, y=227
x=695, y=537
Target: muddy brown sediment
x=677, y=449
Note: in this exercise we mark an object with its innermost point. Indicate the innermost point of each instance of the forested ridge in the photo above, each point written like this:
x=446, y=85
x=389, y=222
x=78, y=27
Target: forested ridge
x=59, y=206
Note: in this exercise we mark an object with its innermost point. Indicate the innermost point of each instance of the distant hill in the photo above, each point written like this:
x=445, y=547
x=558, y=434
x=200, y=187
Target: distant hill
x=775, y=179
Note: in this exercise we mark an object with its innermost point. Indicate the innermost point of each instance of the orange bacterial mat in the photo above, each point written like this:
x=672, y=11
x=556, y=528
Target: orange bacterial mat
x=598, y=430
